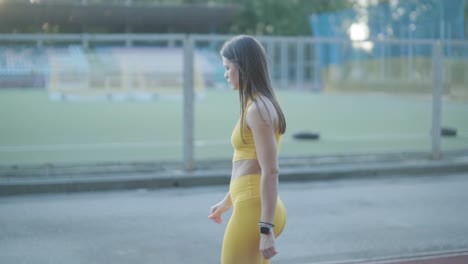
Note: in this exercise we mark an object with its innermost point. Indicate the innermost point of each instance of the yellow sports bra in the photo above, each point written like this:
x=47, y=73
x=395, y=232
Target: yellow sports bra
x=245, y=150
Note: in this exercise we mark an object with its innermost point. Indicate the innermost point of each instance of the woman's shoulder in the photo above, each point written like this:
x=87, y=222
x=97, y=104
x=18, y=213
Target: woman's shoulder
x=261, y=108
x=261, y=104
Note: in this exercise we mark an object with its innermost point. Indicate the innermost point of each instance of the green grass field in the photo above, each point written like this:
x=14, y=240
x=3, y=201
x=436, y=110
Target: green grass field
x=36, y=130
x=398, y=76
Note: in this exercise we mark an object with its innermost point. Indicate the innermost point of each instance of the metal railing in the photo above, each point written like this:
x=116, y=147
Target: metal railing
x=305, y=64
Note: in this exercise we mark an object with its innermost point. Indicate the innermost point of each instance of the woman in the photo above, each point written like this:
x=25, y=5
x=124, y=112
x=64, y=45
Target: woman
x=259, y=215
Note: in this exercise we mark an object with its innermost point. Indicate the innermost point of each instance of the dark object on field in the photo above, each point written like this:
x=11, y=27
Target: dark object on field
x=448, y=132
x=306, y=135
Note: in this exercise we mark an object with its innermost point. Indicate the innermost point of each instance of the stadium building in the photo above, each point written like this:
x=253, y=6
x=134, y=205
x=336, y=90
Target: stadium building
x=114, y=16
x=117, y=65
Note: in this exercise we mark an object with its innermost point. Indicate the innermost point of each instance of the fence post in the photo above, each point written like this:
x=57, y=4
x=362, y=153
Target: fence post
x=270, y=45
x=284, y=67
x=437, y=86
x=85, y=41
x=300, y=64
x=188, y=104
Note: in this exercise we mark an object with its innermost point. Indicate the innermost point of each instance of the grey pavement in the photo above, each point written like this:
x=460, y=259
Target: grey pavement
x=65, y=178
x=330, y=221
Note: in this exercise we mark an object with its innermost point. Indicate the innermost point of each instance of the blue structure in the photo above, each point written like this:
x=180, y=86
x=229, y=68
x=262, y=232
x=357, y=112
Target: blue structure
x=408, y=19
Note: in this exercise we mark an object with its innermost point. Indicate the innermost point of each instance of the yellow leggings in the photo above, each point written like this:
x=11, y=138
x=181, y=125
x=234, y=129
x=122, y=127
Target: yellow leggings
x=242, y=236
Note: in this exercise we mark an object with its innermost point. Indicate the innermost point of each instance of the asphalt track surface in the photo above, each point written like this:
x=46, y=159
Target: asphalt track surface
x=436, y=258
x=366, y=220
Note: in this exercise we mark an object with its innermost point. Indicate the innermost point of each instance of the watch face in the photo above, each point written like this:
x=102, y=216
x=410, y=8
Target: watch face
x=265, y=230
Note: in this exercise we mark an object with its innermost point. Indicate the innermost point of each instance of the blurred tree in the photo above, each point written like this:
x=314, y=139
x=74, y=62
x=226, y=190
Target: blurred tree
x=276, y=17
x=268, y=17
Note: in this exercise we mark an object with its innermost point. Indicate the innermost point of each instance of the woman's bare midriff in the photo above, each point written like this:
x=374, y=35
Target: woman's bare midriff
x=244, y=167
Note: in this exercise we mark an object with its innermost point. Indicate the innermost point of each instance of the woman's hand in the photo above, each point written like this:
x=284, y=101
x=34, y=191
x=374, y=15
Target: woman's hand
x=267, y=245
x=218, y=209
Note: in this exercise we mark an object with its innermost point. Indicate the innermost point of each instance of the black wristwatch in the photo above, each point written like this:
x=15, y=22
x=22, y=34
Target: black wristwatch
x=264, y=230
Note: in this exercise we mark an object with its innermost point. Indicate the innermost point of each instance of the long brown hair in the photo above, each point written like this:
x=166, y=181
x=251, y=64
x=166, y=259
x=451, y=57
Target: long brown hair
x=248, y=55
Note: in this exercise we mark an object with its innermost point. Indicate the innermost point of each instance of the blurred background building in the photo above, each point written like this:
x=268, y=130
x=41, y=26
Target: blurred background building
x=114, y=16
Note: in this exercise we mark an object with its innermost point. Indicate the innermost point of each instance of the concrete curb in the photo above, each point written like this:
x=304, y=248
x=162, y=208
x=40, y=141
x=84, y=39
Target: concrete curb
x=178, y=178
x=375, y=170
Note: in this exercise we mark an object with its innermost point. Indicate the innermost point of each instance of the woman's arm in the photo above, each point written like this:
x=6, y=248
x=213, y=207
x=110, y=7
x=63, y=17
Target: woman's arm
x=218, y=209
x=260, y=119
x=227, y=199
